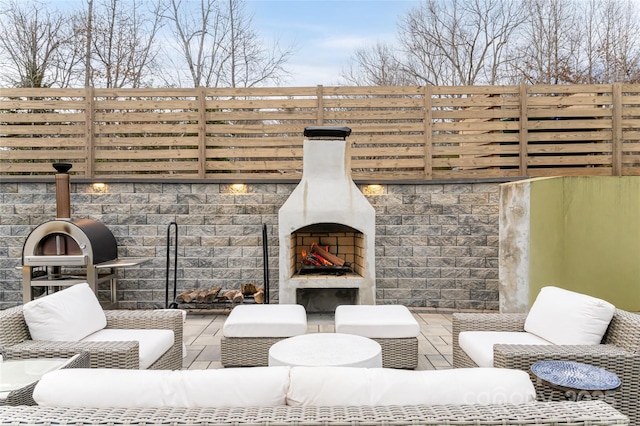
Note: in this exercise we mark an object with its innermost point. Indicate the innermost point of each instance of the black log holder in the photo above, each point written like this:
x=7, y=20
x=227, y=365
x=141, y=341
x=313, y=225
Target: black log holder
x=172, y=225
x=219, y=303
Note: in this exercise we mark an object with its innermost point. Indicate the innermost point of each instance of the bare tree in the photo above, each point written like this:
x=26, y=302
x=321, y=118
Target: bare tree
x=459, y=42
x=251, y=62
x=550, y=44
x=88, y=43
x=465, y=42
x=568, y=41
x=618, y=42
x=123, y=43
x=376, y=65
x=36, y=45
x=588, y=61
x=220, y=47
x=199, y=34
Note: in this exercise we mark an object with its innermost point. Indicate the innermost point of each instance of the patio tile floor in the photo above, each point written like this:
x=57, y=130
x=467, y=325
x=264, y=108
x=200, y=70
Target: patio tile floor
x=202, y=333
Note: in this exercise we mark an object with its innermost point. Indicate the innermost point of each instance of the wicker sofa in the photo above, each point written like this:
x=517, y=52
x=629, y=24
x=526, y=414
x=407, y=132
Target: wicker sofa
x=16, y=342
x=298, y=395
x=619, y=353
x=592, y=413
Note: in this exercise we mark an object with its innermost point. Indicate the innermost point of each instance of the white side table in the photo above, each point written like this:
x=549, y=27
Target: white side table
x=326, y=349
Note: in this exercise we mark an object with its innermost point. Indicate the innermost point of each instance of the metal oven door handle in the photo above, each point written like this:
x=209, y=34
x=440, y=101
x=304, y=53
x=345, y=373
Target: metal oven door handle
x=64, y=260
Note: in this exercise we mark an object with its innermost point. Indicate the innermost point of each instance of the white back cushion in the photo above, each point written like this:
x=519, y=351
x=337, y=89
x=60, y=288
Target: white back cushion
x=228, y=387
x=565, y=317
x=335, y=386
x=67, y=315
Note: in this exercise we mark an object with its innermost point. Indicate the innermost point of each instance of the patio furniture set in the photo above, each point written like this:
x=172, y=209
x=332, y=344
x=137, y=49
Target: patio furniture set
x=122, y=389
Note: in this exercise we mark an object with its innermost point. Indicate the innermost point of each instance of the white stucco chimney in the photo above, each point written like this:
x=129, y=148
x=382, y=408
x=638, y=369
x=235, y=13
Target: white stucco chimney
x=327, y=206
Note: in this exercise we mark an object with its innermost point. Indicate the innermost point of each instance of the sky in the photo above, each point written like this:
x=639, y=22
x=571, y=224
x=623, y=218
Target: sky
x=326, y=33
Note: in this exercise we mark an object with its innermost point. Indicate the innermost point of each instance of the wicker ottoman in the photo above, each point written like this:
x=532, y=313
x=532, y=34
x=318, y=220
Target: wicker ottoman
x=393, y=326
x=250, y=330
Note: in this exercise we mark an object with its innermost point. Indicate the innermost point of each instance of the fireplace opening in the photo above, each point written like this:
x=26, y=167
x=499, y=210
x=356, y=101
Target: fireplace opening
x=325, y=300
x=327, y=249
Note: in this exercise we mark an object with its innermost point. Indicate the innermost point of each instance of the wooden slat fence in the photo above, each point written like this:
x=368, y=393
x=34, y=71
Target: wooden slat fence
x=416, y=133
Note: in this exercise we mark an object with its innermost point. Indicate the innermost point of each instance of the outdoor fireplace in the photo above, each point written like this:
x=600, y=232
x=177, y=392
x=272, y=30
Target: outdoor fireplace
x=326, y=216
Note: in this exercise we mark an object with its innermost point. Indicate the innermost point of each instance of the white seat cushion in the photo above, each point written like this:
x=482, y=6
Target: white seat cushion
x=478, y=345
x=565, y=317
x=153, y=343
x=340, y=386
x=376, y=321
x=229, y=387
x=266, y=321
x=67, y=315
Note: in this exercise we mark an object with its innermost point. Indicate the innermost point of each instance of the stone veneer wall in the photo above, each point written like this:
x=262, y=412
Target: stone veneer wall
x=436, y=243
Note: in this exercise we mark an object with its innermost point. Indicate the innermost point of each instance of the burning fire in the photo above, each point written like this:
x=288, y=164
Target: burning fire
x=318, y=256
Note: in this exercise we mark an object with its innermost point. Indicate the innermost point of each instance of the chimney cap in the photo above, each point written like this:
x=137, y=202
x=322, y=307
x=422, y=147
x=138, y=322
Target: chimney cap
x=62, y=167
x=327, y=131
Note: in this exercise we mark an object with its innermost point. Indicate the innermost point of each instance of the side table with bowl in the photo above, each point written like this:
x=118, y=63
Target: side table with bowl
x=575, y=379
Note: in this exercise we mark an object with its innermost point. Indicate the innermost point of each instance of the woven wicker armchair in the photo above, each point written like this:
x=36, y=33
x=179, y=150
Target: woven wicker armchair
x=15, y=340
x=593, y=413
x=618, y=353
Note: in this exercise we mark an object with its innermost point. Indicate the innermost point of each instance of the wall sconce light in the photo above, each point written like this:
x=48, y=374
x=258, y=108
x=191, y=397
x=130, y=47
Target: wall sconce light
x=374, y=189
x=100, y=187
x=238, y=188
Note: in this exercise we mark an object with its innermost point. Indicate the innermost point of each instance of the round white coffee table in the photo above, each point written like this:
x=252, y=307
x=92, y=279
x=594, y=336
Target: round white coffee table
x=326, y=349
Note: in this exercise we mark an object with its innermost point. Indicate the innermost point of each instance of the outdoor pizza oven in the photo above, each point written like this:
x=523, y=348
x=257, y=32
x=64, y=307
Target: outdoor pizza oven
x=70, y=243
x=326, y=229
x=64, y=252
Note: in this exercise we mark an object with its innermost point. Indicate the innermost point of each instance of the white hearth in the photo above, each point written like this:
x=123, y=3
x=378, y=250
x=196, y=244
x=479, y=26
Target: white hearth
x=327, y=208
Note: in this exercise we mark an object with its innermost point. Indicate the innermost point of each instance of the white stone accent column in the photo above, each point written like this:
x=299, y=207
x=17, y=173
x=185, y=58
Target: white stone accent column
x=514, y=237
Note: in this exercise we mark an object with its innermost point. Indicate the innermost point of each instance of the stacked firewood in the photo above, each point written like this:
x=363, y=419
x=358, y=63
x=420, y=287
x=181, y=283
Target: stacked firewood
x=199, y=295
x=216, y=294
x=317, y=256
x=250, y=289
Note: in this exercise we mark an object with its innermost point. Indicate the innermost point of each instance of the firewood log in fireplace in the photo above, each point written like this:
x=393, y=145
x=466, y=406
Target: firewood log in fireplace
x=310, y=259
x=326, y=255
